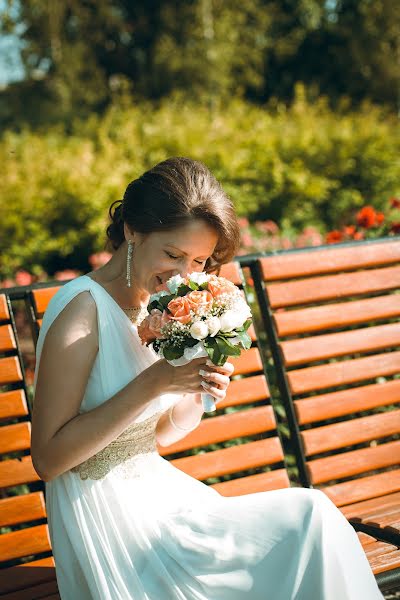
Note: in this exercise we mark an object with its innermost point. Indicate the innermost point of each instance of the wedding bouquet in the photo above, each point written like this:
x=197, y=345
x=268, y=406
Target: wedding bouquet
x=197, y=316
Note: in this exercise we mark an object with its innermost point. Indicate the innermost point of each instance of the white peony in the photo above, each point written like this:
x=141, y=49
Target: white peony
x=199, y=330
x=233, y=318
x=199, y=278
x=214, y=325
x=174, y=282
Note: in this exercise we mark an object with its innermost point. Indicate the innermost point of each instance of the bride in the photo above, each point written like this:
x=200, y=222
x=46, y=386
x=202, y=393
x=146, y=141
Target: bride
x=125, y=524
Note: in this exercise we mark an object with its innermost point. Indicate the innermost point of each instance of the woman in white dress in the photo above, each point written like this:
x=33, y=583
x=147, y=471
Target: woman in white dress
x=125, y=524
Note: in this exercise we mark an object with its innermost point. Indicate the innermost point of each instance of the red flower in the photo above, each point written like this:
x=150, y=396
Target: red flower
x=379, y=217
x=349, y=230
x=394, y=202
x=366, y=217
x=334, y=236
x=395, y=228
x=359, y=235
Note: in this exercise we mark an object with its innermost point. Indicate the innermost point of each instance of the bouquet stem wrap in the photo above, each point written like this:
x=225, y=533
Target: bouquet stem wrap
x=190, y=354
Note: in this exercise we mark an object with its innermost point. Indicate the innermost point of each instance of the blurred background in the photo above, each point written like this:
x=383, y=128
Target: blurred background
x=293, y=104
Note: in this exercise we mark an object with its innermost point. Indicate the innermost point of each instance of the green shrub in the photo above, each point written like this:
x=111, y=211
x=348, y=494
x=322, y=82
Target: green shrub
x=299, y=166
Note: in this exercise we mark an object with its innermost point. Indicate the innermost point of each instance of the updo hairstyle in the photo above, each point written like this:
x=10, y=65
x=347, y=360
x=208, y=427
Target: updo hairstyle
x=170, y=195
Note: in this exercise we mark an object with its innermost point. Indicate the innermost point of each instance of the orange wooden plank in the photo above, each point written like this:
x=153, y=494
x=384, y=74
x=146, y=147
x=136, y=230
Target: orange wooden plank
x=336, y=404
x=352, y=510
x=7, y=339
x=248, y=362
x=331, y=345
x=25, y=542
x=364, y=488
x=340, y=314
x=329, y=260
x=42, y=297
x=10, y=370
x=21, y=509
x=343, y=372
x=13, y=404
x=231, y=271
x=353, y=431
x=261, y=482
x=331, y=287
x=4, y=312
x=354, y=462
x=245, y=390
x=16, y=471
x=231, y=460
x=15, y=437
x=225, y=427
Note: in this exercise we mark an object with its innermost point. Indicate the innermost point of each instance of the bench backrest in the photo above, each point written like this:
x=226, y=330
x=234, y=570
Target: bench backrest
x=332, y=320
x=25, y=536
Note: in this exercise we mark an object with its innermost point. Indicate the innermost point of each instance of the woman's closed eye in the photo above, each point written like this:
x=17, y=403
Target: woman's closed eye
x=199, y=262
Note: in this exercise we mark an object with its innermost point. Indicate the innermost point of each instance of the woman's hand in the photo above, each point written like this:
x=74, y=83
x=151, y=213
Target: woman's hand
x=198, y=376
x=215, y=379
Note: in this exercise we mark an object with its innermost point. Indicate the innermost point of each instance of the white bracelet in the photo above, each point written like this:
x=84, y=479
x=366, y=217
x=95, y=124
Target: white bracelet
x=177, y=427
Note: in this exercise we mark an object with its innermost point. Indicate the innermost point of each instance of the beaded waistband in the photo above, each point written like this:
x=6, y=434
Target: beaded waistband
x=138, y=438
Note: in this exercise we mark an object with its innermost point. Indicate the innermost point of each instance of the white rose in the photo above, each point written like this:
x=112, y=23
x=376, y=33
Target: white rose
x=214, y=325
x=229, y=320
x=199, y=330
x=174, y=282
x=199, y=278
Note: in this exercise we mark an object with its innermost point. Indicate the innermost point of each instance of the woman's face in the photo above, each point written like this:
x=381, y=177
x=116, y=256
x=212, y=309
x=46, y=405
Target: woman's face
x=160, y=255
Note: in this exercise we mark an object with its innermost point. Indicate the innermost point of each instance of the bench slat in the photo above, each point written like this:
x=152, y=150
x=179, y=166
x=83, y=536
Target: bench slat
x=4, y=312
x=25, y=542
x=343, y=372
x=248, y=362
x=231, y=271
x=385, y=562
x=13, y=404
x=307, y=320
x=329, y=260
x=27, y=575
x=245, y=390
x=23, y=508
x=364, y=488
x=7, y=339
x=359, y=508
x=10, y=370
x=16, y=471
x=331, y=287
x=261, y=482
x=15, y=437
x=230, y=460
x=225, y=427
x=336, y=404
x=354, y=431
x=41, y=298
x=331, y=345
x=352, y=463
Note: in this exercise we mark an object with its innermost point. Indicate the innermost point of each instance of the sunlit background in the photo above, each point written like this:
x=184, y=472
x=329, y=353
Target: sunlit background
x=293, y=104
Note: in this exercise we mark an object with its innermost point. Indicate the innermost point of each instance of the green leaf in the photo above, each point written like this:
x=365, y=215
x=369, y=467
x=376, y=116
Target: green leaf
x=183, y=289
x=245, y=339
x=165, y=300
x=226, y=347
x=171, y=352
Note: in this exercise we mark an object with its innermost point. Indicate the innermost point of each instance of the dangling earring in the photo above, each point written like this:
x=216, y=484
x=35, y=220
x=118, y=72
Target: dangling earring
x=128, y=263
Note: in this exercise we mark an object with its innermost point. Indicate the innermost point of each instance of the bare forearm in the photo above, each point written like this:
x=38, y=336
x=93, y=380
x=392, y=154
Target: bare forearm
x=186, y=414
x=88, y=433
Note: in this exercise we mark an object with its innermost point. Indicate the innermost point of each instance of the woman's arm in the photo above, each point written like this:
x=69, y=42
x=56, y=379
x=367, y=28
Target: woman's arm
x=187, y=412
x=61, y=437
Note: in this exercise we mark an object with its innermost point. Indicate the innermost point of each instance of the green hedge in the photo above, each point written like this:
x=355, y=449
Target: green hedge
x=303, y=165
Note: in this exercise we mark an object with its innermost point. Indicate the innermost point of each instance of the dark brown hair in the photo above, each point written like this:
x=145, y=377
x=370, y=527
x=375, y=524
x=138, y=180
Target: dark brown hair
x=169, y=195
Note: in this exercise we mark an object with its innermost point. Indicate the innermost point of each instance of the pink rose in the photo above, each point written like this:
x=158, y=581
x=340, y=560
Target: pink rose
x=180, y=309
x=200, y=301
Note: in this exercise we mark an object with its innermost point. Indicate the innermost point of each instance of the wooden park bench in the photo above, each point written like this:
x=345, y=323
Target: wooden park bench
x=238, y=451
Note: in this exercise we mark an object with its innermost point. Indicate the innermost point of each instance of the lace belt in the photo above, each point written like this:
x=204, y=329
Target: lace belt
x=138, y=438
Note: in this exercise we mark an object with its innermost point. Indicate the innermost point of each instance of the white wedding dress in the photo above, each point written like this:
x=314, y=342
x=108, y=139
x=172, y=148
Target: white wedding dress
x=141, y=529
